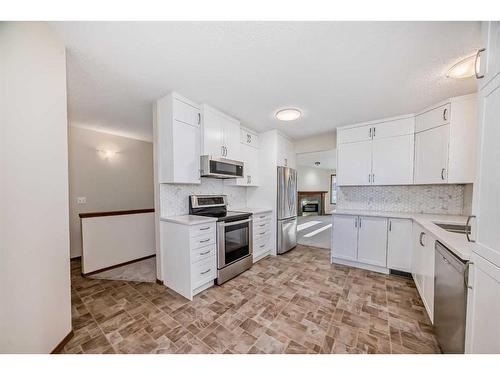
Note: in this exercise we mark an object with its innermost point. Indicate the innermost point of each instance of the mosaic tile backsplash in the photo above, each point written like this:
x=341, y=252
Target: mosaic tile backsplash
x=174, y=197
x=432, y=199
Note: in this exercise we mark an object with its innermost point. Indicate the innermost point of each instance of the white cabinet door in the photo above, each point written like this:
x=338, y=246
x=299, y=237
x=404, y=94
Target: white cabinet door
x=186, y=153
x=417, y=259
x=392, y=162
x=490, y=58
x=399, y=245
x=372, y=240
x=354, y=163
x=486, y=202
x=186, y=113
x=393, y=128
x=358, y=134
x=431, y=155
x=428, y=266
x=212, y=133
x=231, y=138
x=249, y=138
x=433, y=118
x=344, y=237
x=285, y=152
x=482, y=333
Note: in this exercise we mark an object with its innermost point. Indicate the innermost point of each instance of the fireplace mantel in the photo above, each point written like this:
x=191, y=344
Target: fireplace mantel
x=303, y=194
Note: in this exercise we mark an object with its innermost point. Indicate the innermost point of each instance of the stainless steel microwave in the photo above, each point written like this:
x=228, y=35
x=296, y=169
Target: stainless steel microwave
x=220, y=167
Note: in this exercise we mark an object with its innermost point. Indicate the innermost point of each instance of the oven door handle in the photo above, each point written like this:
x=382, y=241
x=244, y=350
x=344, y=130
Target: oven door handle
x=230, y=223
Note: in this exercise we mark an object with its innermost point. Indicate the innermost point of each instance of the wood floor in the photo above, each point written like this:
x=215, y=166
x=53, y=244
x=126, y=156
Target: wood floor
x=293, y=303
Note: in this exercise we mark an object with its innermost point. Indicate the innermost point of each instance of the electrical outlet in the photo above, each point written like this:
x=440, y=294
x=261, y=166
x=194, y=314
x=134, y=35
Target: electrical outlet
x=81, y=200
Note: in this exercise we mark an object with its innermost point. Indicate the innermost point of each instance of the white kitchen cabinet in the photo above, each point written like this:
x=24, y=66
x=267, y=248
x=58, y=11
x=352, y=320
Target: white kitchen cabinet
x=399, y=244
x=285, y=152
x=354, y=163
x=372, y=240
x=489, y=61
x=376, y=153
x=345, y=237
x=445, y=142
x=177, y=140
x=431, y=155
x=249, y=138
x=482, y=334
x=220, y=134
x=423, y=261
x=262, y=235
x=392, y=160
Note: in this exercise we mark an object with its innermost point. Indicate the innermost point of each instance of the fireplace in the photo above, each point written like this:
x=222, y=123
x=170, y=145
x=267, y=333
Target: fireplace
x=311, y=203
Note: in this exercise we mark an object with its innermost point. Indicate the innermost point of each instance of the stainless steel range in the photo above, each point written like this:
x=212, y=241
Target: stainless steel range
x=234, y=234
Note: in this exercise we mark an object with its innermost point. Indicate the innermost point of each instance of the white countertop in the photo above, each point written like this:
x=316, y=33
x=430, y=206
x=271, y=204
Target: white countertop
x=189, y=219
x=252, y=210
x=456, y=242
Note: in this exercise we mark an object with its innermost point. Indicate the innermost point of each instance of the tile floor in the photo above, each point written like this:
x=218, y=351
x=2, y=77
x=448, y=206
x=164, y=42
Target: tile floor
x=294, y=303
x=315, y=231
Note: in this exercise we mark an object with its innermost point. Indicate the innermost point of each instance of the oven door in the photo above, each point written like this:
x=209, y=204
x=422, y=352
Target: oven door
x=234, y=241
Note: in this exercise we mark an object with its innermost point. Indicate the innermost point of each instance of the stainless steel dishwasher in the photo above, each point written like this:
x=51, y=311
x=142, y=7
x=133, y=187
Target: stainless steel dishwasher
x=450, y=300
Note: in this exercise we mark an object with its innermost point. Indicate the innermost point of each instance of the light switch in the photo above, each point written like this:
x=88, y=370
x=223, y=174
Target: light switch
x=81, y=200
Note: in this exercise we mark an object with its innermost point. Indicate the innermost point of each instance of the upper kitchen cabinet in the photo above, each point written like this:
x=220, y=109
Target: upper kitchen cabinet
x=177, y=127
x=249, y=155
x=445, y=142
x=376, y=153
x=285, y=152
x=220, y=134
x=488, y=56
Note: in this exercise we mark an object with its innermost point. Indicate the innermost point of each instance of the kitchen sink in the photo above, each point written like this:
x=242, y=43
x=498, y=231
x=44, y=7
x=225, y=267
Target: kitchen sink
x=454, y=228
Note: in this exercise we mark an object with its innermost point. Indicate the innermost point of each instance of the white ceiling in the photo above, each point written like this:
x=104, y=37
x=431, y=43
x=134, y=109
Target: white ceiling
x=336, y=72
x=328, y=159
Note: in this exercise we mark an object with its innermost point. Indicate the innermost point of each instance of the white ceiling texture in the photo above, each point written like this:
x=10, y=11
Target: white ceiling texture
x=337, y=73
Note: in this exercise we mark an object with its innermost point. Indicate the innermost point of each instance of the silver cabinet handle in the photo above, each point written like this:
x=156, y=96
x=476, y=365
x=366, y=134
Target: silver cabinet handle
x=445, y=111
x=199, y=118
x=442, y=173
x=466, y=275
x=204, y=272
x=374, y=129
x=390, y=225
x=206, y=228
x=370, y=135
x=373, y=178
x=370, y=178
x=468, y=232
x=475, y=63
x=208, y=239
x=261, y=233
x=261, y=225
x=206, y=252
x=262, y=245
x=355, y=222
x=222, y=150
x=422, y=234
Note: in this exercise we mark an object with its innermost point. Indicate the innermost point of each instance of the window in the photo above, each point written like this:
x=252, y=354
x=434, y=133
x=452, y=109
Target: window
x=333, y=189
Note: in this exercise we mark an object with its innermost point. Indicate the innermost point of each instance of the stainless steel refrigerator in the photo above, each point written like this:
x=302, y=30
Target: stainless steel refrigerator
x=287, y=209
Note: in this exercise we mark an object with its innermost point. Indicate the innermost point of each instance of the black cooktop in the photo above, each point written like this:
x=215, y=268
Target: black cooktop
x=226, y=216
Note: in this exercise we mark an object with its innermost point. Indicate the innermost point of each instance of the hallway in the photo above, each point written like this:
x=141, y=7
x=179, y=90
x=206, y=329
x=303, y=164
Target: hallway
x=314, y=231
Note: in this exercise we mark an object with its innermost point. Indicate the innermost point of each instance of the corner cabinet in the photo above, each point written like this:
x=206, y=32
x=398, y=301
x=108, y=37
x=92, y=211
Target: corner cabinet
x=220, y=134
x=445, y=142
x=380, y=153
x=177, y=140
x=285, y=152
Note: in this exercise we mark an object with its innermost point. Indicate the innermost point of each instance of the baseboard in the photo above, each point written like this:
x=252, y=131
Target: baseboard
x=159, y=282
x=117, y=265
x=63, y=342
x=401, y=273
x=364, y=266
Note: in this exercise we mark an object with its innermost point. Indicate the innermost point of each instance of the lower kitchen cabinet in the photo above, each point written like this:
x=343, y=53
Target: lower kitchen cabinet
x=422, y=267
x=360, y=241
x=372, y=240
x=399, y=244
x=483, y=307
x=189, y=258
x=262, y=235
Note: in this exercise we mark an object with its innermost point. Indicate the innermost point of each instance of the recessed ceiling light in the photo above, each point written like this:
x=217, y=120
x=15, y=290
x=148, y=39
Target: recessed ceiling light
x=288, y=114
x=465, y=68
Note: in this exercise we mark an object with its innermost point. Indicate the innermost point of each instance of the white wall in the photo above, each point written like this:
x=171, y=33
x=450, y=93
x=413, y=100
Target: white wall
x=315, y=179
x=35, y=307
x=321, y=142
x=123, y=181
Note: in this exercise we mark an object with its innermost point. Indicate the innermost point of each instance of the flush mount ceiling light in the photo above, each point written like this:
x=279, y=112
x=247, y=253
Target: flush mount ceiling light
x=288, y=114
x=317, y=164
x=465, y=68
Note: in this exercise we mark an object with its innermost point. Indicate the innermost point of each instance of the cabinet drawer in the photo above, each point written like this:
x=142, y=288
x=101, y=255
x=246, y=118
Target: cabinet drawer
x=261, y=246
x=258, y=218
x=186, y=113
x=202, y=272
x=202, y=241
x=203, y=253
x=433, y=118
x=262, y=229
x=202, y=229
